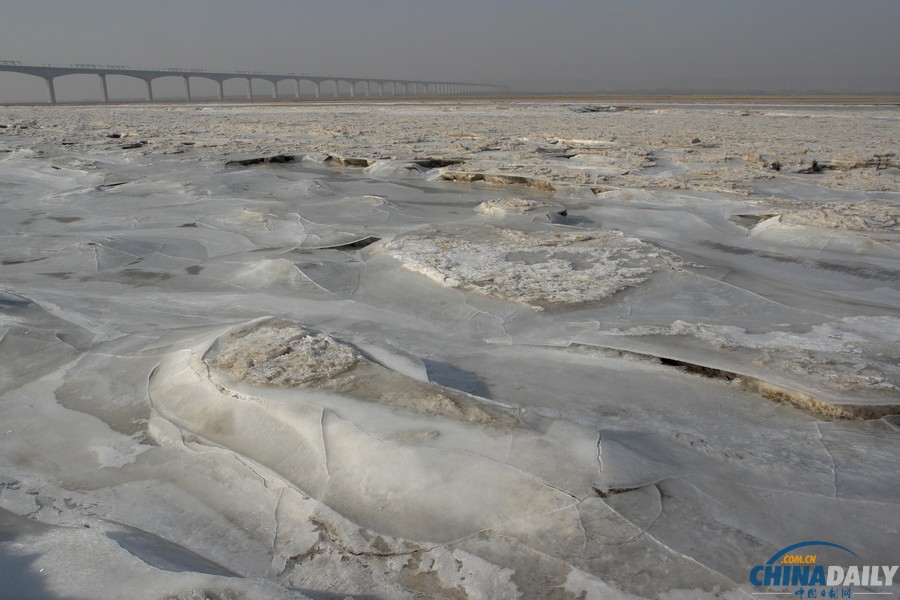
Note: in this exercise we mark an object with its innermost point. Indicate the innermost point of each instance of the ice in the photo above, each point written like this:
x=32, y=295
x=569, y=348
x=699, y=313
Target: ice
x=505, y=206
x=538, y=268
x=841, y=336
x=776, y=231
x=283, y=355
x=269, y=273
x=464, y=350
x=109, y=456
x=860, y=216
x=325, y=451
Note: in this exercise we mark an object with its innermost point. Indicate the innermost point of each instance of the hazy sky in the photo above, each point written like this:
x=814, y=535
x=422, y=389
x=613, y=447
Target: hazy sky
x=837, y=45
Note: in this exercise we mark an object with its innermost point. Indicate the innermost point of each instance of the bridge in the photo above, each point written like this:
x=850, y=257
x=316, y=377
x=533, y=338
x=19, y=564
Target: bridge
x=398, y=87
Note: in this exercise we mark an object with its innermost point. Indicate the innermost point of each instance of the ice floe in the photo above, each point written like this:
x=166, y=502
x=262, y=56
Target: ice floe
x=537, y=268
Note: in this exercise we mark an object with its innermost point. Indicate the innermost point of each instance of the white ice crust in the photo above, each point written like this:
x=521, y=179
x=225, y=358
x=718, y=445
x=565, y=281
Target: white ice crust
x=536, y=268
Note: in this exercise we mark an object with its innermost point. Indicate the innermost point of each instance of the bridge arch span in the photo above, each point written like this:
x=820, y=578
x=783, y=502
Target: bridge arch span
x=352, y=85
x=125, y=87
x=75, y=87
x=21, y=87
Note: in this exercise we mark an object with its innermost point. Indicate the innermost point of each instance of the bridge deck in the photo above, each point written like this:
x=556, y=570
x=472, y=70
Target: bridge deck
x=428, y=87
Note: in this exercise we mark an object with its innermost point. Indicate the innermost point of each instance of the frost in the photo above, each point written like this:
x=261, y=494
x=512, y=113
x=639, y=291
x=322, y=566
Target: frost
x=856, y=216
x=837, y=336
x=837, y=373
x=504, y=206
x=830, y=354
x=537, y=268
x=282, y=354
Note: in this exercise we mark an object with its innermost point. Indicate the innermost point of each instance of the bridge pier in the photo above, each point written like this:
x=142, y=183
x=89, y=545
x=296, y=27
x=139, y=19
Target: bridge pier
x=51, y=91
x=398, y=88
x=104, y=92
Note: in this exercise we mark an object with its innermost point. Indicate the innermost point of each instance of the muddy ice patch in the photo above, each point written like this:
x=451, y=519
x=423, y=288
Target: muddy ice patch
x=540, y=268
x=500, y=207
x=870, y=216
x=855, y=355
x=281, y=354
x=834, y=372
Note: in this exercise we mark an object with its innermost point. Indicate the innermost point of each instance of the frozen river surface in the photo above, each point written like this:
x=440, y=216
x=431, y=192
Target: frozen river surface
x=483, y=350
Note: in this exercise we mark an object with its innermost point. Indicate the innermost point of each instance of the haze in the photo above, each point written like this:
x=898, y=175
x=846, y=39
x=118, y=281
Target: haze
x=530, y=45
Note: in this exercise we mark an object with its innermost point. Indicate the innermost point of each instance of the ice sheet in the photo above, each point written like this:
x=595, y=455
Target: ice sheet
x=324, y=375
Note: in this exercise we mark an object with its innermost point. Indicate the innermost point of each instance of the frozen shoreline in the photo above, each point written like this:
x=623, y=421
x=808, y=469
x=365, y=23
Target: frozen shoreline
x=435, y=434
